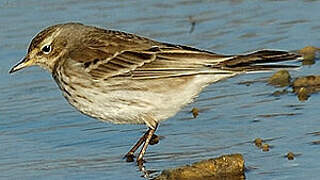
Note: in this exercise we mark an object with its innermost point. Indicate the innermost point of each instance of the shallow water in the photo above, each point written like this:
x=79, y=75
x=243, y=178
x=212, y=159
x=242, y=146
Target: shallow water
x=43, y=137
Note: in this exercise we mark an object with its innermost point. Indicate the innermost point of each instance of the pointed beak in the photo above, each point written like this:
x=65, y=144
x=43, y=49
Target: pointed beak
x=26, y=62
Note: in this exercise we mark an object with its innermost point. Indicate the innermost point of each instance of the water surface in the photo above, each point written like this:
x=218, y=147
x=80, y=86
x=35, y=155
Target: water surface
x=43, y=137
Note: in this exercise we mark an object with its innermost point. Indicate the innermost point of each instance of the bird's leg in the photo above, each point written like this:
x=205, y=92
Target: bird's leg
x=129, y=155
x=145, y=145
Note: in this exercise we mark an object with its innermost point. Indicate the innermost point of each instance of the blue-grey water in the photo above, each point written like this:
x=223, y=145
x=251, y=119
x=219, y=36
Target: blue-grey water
x=43, y=137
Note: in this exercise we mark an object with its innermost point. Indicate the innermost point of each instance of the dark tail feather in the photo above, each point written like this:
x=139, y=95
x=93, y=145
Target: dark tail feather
x=260, y=60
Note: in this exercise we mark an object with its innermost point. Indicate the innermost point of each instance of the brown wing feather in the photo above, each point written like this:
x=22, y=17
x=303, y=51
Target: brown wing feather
x=122, y=63
x=149, y=64
x=111, y=53
x=178, y=62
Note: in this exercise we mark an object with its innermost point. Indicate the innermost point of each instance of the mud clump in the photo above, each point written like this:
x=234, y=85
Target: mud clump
x=223, y=167
x=290, y=156
x=309, y=54
x=258, y=142
x=305, y=86
x=303, y=94
x=265, y=147
x=281, y=78
x=304, y=81
x=195, y=112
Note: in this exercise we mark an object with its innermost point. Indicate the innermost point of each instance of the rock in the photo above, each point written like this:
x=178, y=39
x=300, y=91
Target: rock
x=309, y=54
x=258, y=142
x=226, y=167
x=265, y=147
x=281, y=78
x=195, y=112
x=306, y=85
x=306, y=81
x=303, y=94
x=290, y=156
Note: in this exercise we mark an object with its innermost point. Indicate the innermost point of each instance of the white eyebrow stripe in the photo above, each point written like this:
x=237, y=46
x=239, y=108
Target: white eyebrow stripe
x=49, y=39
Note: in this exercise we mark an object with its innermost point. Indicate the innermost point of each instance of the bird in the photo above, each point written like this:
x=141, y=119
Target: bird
x=124, y=78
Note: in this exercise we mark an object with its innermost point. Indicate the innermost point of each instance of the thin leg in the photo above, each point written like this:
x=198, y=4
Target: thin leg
x=145, y=145
x=129, y=155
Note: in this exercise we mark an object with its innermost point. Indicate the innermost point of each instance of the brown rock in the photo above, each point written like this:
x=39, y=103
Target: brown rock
x=226, y=167
x=280, y=78
x=258, y=142
x=195, y=112
x=309, y=54
x=306, y=81
x=290, y=156
x=306, y=85
x=303, y=94
x=265, y=147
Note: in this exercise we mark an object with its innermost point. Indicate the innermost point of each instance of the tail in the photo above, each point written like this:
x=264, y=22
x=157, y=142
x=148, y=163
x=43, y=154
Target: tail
x=262, y=60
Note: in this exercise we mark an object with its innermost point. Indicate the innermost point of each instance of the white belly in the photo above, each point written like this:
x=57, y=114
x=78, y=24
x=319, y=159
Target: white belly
x=136, y=102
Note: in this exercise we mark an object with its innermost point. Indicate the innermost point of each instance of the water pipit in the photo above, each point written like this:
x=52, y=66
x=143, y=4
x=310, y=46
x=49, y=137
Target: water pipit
x=124, y=78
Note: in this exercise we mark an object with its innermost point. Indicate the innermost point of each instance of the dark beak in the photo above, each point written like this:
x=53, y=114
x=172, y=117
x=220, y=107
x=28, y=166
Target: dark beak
x=26, y=62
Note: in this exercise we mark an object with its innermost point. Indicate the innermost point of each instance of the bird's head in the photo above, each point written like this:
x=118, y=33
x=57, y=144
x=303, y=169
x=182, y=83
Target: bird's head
x=48, y=46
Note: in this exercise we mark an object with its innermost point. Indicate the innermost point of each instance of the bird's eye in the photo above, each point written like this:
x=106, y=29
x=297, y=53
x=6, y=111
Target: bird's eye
x=46, y=49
